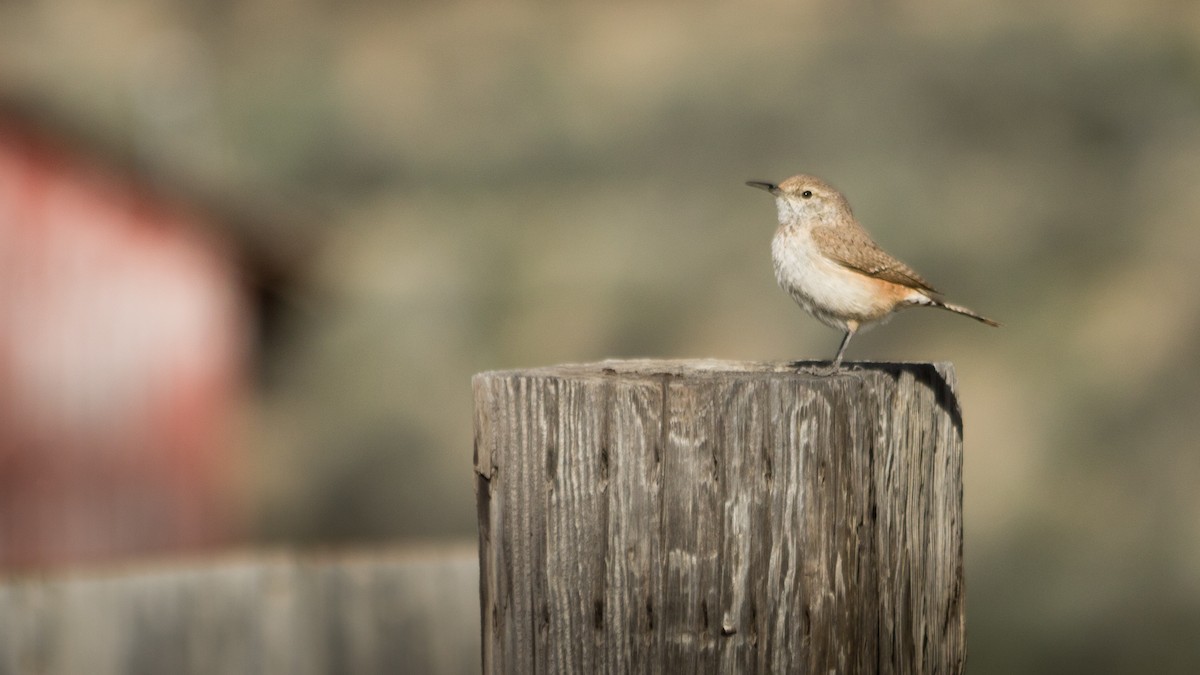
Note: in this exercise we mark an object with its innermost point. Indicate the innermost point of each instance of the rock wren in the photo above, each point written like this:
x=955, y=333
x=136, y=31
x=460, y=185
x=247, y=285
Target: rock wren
x=833, y=269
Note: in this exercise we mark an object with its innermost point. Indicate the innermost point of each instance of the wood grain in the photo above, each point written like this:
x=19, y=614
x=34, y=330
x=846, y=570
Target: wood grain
x=717, y=517
x=407, y=611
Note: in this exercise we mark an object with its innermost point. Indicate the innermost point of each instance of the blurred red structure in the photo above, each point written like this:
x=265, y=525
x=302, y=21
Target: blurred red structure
x=124, y=339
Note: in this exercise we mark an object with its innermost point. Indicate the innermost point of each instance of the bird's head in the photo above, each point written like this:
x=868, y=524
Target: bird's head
x=806, y=199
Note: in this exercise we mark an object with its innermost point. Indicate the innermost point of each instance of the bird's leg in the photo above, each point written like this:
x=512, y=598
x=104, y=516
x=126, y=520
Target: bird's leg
x=851, y=329
x=836, y=366
x=837, y=360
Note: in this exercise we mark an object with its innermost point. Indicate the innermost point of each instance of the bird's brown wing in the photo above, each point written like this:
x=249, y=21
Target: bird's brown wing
x=852, y=247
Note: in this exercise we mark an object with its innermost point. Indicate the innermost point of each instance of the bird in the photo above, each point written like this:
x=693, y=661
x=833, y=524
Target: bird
x=831, y=267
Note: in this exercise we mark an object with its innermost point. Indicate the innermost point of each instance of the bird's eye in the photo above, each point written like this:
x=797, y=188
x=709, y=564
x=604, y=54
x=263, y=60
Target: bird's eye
x=807, y=194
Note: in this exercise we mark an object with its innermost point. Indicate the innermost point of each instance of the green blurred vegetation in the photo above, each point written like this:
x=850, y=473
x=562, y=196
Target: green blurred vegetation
x=492, y=186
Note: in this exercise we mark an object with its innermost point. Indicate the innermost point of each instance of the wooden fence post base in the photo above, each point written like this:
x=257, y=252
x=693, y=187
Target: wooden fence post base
x=708, y=516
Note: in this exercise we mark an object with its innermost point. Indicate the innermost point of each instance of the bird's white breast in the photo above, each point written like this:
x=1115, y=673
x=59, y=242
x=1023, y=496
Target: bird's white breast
x=830, y=292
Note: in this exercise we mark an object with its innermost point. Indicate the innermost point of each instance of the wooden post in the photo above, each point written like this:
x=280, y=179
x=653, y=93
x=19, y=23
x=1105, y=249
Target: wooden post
x=404, y=610
x=716, y=517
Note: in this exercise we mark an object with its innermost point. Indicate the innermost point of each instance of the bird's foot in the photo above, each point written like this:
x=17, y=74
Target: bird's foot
x=827, y=370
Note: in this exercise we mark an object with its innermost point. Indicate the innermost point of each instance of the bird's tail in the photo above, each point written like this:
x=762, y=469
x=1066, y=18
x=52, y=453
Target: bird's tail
x=959, y=309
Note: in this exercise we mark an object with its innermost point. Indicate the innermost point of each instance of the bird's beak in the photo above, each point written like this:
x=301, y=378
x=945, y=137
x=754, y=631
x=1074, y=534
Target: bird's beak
x=762, y=185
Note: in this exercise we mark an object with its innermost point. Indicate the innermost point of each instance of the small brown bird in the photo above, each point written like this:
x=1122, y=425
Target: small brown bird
x=833, y=269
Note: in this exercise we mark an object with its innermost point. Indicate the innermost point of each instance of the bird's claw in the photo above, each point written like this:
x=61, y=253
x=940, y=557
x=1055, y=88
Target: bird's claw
x=819, y=371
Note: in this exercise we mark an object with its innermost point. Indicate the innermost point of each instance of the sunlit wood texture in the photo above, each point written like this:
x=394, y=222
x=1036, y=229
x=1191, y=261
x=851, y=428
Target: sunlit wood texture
x=716, y=517
x=397, y=611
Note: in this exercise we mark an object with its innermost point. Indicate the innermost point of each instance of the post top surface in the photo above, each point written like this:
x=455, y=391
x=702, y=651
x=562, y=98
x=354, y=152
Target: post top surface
x=637, y=368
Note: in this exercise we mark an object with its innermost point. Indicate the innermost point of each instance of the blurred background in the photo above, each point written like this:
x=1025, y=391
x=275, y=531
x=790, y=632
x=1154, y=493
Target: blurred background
x=251, y=254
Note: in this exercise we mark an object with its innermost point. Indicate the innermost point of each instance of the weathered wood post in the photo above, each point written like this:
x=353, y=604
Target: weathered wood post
x=706, y=516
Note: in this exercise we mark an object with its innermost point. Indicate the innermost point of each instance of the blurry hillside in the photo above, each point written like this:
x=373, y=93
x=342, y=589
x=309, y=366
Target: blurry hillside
x=530, y=184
